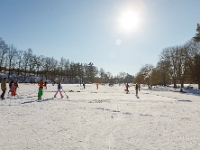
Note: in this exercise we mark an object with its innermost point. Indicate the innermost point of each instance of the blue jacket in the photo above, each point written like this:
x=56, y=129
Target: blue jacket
x=59, y=86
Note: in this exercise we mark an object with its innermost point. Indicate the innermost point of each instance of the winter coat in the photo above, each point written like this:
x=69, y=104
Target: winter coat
x=59, y=86
x=3, y=85
x=127, y=86
x=16, y=84
x=12, y=88
x=136, y=86
x=41, y=84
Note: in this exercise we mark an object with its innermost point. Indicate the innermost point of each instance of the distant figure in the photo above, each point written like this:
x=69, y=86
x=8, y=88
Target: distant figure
x=3, y=88
x=84, y=85
x=12, y=89
x=16, y=85
x=127, y=86
x=59, y=90
x=110, y=84
x=136, y=89
x=40, y=90
x=41, y=84
x=10, y=84
x=45, y=84
x=40, y=93
x=139, y=87
x=97, y=85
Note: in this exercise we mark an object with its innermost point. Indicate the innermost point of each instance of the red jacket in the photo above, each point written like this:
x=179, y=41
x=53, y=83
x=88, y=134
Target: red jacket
x=41, y=84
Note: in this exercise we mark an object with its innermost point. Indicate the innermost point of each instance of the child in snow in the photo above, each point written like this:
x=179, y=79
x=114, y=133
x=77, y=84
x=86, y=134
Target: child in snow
x=40, y=92
x=41, y=84
x=127, y=86
x=12, y=90
x=10, y=84
x=59, y=90
x=84, y=85
x=97, y=85
x=16, y=85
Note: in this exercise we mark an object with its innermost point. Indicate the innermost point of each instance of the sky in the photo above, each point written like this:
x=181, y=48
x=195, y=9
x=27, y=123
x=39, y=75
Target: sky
x=116, y=35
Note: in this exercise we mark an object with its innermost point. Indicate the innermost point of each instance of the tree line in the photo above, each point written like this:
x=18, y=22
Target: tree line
x=24, y=63
x=176, y=65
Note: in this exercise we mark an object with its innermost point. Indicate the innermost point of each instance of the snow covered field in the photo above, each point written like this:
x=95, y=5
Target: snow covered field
x=103, y=119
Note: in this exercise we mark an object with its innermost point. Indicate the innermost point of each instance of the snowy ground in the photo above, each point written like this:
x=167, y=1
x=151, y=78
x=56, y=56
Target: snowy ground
x=103, y=119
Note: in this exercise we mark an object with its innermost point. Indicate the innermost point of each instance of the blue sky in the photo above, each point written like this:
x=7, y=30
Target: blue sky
x=90, y=30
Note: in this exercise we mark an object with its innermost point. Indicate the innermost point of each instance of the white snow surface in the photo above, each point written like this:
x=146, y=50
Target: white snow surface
x=100, y=119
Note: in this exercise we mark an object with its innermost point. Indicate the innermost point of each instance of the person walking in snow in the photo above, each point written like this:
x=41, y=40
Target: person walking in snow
x=40, y=90
x=40, y=93
x=12, y=90
x=3, y=88
x=136, y=89
x=41, y=84
x=59, y=90
x=16, y=85
x=10, y=84
x=127, y=86
x=97, y=85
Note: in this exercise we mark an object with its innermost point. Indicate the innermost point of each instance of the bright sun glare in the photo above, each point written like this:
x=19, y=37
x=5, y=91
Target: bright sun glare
x=129, y=20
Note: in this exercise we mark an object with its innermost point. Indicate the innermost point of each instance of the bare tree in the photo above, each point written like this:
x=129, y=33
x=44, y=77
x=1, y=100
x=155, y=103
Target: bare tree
x=139, y=78
x=38, y=63
x=19, y=57
x=146, y=71
x=170, y=55
x=154, y=78
x=3, y=51
x=183, y=64
x=26, y=60
x=47, y=65
x=54, y=65
x=61, y=66
x=163, y=72
x=121, y=77
x=12, y=52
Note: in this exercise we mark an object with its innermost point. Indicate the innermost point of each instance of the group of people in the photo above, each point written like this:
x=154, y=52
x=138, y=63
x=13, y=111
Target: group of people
x=13, y=85
x=42, y=84
x=137, y=87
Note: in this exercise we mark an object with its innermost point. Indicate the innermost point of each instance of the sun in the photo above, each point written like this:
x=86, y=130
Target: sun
x=129, y=20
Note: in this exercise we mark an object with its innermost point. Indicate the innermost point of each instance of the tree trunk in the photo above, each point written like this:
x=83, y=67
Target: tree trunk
x=174, y=82
x=182, y=85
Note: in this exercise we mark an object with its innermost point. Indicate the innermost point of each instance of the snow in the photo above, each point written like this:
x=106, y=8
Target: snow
x=100, y=119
